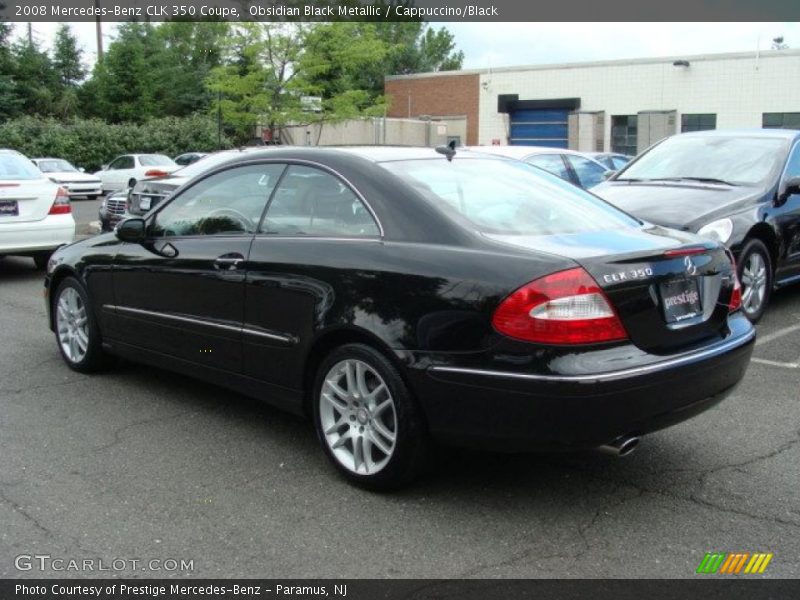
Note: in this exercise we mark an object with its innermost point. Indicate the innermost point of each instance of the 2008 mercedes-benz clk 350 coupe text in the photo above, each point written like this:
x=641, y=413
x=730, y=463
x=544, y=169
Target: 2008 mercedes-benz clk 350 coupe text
x=401, y=295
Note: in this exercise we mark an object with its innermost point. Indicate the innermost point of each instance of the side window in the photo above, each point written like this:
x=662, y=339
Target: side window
x=229, y=202
x=793, y=165
x=618, y=163
x=122, y=162
x=589, y=173
x=552, y=163
x=310, y=201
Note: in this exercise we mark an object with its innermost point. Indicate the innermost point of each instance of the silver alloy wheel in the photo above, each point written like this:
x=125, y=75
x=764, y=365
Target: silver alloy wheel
x=754, y=283
x=72, y=325
x=358, y=417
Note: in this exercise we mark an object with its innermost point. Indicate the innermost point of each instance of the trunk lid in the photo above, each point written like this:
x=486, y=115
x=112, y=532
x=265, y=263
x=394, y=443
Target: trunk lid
x=668, y=288
x=149, y=193
x=26, y=200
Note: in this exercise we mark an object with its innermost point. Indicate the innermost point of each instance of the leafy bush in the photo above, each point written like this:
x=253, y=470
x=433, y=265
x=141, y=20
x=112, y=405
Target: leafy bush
x=90, y=143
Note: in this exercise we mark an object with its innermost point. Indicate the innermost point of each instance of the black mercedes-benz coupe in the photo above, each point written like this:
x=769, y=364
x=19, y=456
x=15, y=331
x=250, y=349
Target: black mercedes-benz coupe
x=741, y=188
x=399, y=296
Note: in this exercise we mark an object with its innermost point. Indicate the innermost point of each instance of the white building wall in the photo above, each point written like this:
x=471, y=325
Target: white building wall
x=376, y=130
x=738, y=88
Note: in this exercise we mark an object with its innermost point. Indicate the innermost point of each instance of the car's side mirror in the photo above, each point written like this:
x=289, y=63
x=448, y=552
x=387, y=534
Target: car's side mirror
x=607, y=175
x=131, y=230
x=104, y=167
x=81, y=169
x=790, y=187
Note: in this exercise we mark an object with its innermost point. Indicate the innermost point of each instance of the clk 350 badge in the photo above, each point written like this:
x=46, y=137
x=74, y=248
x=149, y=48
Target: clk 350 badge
x=626, y=275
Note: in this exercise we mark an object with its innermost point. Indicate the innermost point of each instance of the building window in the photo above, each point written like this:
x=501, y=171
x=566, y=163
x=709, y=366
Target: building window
x=698, y=122
x=623, y=134
x=781, y=120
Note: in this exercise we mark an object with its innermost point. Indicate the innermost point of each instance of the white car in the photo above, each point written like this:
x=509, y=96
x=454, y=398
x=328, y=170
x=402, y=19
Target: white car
x=35, y=213
x=75, y=181
x=124, y=171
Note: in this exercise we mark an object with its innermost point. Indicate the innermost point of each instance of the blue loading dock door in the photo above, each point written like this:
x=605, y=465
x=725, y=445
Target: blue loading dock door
x=539, y=127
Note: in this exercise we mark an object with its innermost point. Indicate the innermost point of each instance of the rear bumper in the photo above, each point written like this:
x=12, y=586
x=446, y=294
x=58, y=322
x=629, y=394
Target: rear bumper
x=519, y=411
x=36, y=236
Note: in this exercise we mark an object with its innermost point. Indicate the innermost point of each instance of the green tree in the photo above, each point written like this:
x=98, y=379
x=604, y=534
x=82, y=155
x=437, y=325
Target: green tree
x=271, y=67
x=413, y=47
x=35, y=79
x=156, y=70
x=10, y=103
x=68, y=65
x=68, y=58
x=183, y=55
x=121, y=88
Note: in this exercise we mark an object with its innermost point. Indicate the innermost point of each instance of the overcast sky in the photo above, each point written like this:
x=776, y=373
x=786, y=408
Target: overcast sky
x=507, y=44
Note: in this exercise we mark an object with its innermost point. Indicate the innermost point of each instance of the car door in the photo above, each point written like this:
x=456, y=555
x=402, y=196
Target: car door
x=115, y=177
x=181, y=292
x=315, y=230
x=552, y=163
x=787, y=220
x=587, y=172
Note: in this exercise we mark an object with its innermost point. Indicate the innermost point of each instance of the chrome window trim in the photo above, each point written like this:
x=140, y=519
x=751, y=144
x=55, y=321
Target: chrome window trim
x=329, y=238
x=244, y=330
x=287, y=162
x=301, y=161
x=683, y=359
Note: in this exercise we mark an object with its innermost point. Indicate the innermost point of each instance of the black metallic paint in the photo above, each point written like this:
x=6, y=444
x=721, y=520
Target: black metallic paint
x=424, y=293
x=756, y=211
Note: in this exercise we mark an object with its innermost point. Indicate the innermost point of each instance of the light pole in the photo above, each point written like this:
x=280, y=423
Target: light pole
x=219, y=120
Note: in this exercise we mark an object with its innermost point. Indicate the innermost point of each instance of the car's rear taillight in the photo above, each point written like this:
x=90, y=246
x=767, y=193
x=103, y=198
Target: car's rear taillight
x=567, y=307
x=155, y=173
x=61, y=204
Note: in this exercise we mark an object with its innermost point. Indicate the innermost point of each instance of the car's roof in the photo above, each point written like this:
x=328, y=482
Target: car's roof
x=788, y=134
x=520, y=152
x=141, y=154
x=391, y=153
x=375, y=154
x=595, y=154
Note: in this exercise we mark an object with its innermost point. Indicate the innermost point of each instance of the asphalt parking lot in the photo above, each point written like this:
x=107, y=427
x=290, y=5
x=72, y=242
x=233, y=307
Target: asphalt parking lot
x=143, y=464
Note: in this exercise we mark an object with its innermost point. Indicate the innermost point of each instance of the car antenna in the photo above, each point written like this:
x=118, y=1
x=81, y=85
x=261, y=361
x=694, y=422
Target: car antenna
x=448, y=150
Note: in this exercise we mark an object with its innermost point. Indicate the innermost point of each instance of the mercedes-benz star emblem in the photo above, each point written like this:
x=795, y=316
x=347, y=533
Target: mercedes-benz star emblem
x=691, y=268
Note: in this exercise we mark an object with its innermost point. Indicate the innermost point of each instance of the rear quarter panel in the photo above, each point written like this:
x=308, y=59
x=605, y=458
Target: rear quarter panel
x=409, y=297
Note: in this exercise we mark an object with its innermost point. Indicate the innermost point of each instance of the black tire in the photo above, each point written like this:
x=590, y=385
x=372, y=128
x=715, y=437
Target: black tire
x=131, y=183
x=755, y=249
x=95, y=358
x=411, y=445
x=41, y=259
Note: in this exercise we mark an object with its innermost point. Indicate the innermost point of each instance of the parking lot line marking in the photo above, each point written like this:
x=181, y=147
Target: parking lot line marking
x=776, y=334
x=775, y=363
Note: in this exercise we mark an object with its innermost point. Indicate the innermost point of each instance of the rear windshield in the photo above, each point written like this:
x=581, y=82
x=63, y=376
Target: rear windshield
x=56, y=166
x=13, y=166
x=155, y=160
x=508, y=197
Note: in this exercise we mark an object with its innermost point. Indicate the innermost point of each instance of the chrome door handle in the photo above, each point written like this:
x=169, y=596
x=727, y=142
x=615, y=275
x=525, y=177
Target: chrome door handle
x=229, y=262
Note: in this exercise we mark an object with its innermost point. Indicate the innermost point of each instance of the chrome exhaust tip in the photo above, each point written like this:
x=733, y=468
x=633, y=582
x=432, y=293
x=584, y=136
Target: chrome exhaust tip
x=622, y=446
